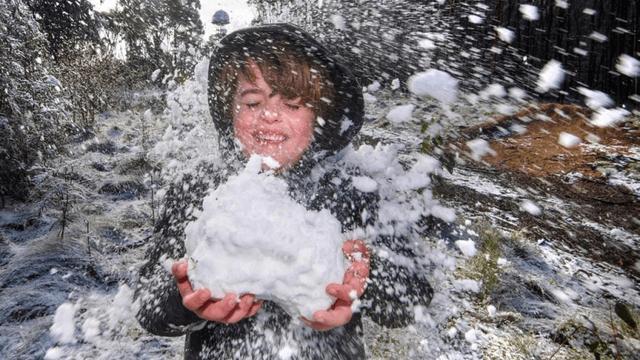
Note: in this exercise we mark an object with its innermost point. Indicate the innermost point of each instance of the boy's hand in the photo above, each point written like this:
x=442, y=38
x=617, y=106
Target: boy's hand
x=352, y=287
x=227, y=310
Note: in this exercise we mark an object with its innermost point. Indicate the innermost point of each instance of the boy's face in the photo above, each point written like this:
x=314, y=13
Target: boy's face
x=267, y=124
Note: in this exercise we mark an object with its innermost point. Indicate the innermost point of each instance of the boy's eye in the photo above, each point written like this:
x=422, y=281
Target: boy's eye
x=252, y=105
x=293, y=106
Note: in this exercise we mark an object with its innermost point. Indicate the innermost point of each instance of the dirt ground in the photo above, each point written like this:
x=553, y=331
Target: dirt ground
x=537, y=152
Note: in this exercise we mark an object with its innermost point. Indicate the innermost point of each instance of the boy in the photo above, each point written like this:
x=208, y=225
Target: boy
x=274, y=91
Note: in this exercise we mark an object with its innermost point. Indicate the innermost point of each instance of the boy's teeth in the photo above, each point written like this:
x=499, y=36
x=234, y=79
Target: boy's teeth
x=271, y=137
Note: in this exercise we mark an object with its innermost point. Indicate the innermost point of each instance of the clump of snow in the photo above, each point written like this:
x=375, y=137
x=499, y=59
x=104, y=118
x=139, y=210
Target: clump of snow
x=435, y=83
x=155, y=74
x=495, y=90
x=401, y=113
x=395, y=84
x=628, y=65
x=530, y=207
x=467, y=247
x=427, y=44
x=467, y=285
x=475, y=19
x=364, y=183
x=551, y=76
x=63, y=327
x=369, y=98
x=608, y=117
x=338, y=21
x=471, y=336
x=517, y=93
x=91, y=329
x=251, y=223
x=54, y=353
x=599, y=37
x=529, y=12
x=479, y=148
x=505, y=34
x=595, y=99
x=121, y=308
x=568, y=140
x=564, y=4
x=374, y=86
x=491, y=310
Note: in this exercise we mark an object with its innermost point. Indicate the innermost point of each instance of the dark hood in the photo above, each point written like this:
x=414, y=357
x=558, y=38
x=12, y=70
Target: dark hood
x=346, y=117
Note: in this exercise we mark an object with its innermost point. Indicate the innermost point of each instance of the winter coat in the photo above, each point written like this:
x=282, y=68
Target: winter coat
x=319, y=182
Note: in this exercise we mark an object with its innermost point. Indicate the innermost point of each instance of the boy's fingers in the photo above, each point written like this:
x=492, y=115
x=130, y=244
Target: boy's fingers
x=254, y=308
x=179, y=269
x=340, y=291
x=196, y=299
x=338, y=316
x=350, y=247
x=218, y=310
x=241, y=311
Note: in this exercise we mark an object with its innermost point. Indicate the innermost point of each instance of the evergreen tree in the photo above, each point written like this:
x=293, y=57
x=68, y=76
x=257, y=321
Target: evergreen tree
x=68, y=24
x=31, y=114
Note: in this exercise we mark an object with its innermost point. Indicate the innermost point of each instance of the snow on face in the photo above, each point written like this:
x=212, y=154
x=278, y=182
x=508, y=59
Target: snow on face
x=435, y=83
x=269, y=125
x=251, y=237
x=551, y=76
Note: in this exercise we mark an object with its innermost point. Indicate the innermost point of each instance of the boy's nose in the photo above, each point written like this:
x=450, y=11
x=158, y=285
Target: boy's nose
x=270, y=114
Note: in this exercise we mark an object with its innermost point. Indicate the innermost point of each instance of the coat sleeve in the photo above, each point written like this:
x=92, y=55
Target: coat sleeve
x=397, y=283
x=160, y=308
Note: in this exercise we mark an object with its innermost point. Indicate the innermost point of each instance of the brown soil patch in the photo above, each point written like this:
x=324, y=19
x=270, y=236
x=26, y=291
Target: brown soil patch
x=536, y=152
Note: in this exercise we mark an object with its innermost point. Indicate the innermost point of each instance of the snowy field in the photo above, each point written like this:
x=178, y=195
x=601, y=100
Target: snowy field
x=502, y=290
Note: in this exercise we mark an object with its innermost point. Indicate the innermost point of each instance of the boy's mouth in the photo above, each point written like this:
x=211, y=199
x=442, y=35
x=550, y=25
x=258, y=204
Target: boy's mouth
x=263, y=137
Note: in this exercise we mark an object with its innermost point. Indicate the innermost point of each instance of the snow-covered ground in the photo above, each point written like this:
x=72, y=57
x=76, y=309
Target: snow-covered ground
x=502, y=291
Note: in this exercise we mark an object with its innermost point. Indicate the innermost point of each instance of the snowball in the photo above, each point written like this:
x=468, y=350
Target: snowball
x=400, y=114
x=551, y=76
x=595, y=99
x=467, y=247
x=628, y=65
x=608, y=117
x=63, y=327
x=479, y=148
x=435, y=83
x=491, y=310
x=339, y=22
x=505, y=34
x=568, y=140
x=530, y=207
x=251, y=237
x=395, y=84
x=364, y=183
x=529, y=12
x=475, y=19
